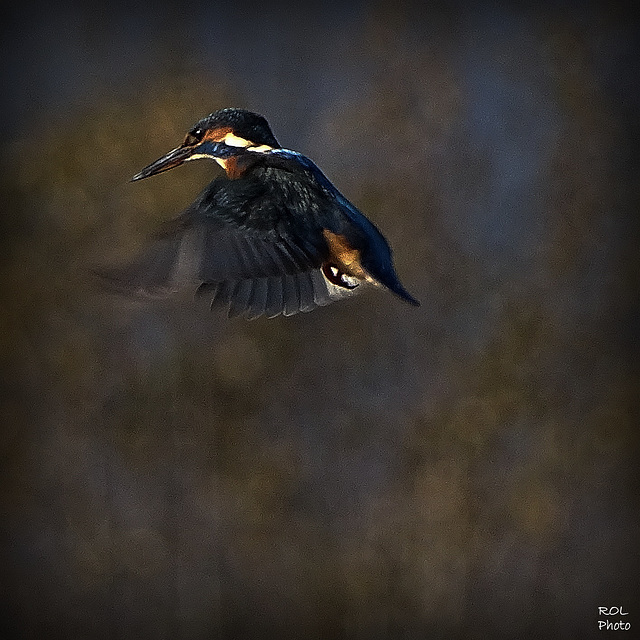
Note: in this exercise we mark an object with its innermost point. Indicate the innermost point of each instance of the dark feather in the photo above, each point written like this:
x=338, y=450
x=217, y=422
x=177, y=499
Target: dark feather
x=240, y=298
x=291, y=295
x=258, y=301
x=275, y=303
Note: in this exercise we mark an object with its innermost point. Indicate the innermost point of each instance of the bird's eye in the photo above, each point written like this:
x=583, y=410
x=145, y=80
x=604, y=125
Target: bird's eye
x=193, y=137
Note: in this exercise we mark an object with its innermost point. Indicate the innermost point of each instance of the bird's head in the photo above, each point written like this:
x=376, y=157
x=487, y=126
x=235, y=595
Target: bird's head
x=222, y=136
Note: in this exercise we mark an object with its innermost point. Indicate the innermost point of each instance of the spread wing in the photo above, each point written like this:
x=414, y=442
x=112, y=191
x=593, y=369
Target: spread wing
x=252, y=266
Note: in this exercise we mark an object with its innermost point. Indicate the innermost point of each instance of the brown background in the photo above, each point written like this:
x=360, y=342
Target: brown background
x=467, y=469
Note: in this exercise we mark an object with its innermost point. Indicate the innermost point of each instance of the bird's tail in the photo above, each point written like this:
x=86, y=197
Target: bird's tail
x=387, y=277
x=394, y=285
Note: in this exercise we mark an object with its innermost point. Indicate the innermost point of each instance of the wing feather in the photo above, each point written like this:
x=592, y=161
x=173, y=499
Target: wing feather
x=274, y=304
x=258, y=301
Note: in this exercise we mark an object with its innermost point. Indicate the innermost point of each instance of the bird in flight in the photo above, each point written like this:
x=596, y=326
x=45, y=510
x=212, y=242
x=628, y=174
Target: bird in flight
x=271, y=236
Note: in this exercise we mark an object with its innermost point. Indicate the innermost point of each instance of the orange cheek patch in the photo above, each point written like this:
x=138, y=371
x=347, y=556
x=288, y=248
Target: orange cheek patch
x=216, y=135
x=226, y=135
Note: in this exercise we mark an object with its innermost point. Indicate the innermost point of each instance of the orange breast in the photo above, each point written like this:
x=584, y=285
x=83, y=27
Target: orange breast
x=231, y=167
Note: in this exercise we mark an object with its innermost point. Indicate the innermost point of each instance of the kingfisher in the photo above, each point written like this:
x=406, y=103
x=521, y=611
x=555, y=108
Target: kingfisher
x=270, y=236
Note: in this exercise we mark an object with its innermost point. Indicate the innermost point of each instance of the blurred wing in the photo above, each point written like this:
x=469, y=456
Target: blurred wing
x=249, y=273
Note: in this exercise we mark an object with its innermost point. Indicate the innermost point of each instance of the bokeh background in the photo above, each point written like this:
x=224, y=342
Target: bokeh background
x=467, y=469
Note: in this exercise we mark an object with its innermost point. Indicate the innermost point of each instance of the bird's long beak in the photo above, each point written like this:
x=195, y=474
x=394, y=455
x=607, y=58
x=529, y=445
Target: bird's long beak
x=185, y=152
x=172, y=159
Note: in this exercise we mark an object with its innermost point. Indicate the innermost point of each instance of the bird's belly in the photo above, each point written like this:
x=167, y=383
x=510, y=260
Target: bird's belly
x=344, y=267
x=344, y=256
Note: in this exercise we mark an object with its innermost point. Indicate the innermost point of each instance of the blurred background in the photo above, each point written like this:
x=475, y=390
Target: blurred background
x=467, y=469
